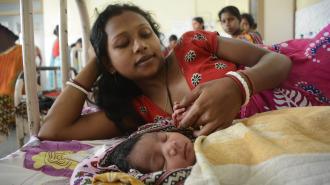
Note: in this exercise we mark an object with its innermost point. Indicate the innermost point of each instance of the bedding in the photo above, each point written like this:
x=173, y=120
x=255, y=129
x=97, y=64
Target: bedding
x=48, y=162
x=290, y=146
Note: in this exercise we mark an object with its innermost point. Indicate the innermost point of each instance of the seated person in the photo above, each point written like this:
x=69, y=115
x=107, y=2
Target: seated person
x=230, y=19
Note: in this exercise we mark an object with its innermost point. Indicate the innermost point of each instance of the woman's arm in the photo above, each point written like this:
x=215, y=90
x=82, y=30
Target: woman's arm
x=64, y=120
x=216, y=103
x=267, y=69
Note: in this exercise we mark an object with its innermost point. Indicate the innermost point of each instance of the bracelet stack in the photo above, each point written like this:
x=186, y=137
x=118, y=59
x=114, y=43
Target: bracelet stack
x=244, y=83
x=78, y=86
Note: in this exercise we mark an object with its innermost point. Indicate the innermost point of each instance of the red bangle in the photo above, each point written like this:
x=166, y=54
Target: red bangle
x=79, y=84
x=251, y=84
x=238, y=83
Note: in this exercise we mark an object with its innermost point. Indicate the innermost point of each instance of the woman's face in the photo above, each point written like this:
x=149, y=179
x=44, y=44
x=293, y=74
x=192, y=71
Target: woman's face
x=162, y=151
x=196, y=25
x=133, y=47
x=245, y=26
x=230, y=23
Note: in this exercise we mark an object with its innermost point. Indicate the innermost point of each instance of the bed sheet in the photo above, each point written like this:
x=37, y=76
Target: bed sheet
x=48, y=162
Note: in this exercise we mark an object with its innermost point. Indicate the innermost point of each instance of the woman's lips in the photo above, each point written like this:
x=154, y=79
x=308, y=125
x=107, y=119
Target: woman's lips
x=144, y=59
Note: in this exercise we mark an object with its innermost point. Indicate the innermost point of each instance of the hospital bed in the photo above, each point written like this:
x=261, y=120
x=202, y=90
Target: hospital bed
x=54, y=162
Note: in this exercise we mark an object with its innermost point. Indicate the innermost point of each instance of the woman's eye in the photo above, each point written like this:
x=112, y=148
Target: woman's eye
x=122, y=45
x=145, y=33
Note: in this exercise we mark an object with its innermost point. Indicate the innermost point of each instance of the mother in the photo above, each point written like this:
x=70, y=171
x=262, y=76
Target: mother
x=137, y=84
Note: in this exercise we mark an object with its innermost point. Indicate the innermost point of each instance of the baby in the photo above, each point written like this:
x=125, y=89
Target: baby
x=155, y=151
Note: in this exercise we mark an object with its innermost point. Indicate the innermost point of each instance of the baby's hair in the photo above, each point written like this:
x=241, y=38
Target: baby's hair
x=118, y=155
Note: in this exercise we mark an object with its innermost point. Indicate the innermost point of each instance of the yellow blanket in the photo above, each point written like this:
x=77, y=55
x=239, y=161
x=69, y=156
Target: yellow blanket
x=290, y=146
x=115, y=178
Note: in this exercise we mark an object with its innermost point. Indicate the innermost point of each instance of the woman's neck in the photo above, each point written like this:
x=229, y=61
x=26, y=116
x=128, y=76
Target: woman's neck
x=237, y=33
x=153, y=85
x=157, y=89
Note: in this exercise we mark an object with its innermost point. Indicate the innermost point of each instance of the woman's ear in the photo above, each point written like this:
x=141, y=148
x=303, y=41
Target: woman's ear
x=109, y=67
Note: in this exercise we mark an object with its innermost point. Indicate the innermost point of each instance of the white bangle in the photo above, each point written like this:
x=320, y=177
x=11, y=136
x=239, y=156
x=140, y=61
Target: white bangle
x=77, y=87
x=244, y=84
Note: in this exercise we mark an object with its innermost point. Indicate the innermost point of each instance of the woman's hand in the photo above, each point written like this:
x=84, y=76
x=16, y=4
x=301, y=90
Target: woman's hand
x=212, y=105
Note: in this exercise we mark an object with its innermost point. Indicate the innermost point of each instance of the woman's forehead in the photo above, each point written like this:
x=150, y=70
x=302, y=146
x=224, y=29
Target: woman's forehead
x=127, y=19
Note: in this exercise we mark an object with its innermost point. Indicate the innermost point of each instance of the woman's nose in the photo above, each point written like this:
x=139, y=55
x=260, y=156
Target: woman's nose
x=139, y=46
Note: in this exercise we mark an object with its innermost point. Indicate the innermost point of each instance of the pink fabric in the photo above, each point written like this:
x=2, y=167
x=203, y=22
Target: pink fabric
x=308, y=82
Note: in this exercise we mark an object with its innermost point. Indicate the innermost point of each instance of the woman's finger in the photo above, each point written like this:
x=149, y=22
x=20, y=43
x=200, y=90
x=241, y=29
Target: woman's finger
x=190, y=98
x=206, y=129
x=190, y=117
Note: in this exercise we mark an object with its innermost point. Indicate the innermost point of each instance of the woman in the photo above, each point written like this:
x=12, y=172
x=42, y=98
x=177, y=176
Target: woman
x=230, y=19
x=138, y=85
x=249, y=26
x=198, y=23
x=11, y=64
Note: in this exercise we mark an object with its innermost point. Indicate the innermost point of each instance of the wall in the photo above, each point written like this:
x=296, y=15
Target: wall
x=10, y=17
x=306, y=3
x=278, y=20
x=311, y=17
x=175, y=16
x=52, y=18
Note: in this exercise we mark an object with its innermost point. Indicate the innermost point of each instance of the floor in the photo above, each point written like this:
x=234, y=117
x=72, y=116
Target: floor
x=9, y=145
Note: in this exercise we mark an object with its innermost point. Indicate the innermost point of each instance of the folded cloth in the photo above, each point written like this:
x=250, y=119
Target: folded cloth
x=115, y=178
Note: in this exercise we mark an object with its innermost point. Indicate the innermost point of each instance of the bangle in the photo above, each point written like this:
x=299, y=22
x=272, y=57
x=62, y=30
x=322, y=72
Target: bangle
x=241, y=88
x=81, y=89
x=79, y=84
x=251, y=84
x=242, y=81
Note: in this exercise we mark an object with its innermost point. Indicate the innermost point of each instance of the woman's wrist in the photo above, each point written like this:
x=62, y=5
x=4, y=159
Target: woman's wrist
x=88, y=75
x=242, y=83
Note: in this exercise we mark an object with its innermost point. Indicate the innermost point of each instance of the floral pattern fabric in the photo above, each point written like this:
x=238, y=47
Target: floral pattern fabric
x=306, y=85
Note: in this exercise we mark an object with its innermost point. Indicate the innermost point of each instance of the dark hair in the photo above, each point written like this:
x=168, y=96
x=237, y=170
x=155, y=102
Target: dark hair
x=200, y=20
x=115, y=92
x=231, y=10
x=250, y=20
x=55, y=31
x=173, y=38
x=11, y=34
x=120, y=153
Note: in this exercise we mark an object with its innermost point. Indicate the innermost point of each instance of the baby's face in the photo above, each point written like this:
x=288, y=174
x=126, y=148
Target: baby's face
x=162, y=151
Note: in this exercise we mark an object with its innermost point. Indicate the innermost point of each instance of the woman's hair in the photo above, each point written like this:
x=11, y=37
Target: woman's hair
x=10, y=34
x=55, y=31
x=231, y=10
x=115, y=92
x=200, y=20
x=250, y=20
x=173, y=38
